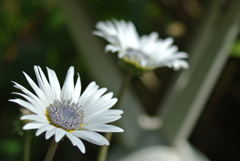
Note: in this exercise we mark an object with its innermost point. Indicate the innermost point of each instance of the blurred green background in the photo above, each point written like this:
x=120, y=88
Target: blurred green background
x=36, y=32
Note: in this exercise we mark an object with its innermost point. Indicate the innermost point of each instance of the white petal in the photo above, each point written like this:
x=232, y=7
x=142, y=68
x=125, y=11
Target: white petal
x=166, y=43
x=92, y=87
x=77, y=89
x=54, y=83
x=97, y=33
x=102, y=120
x=71, y=138
x=68, y=86
x=92, y=98
x=121, y=54
x=59, y=134
x=33, y=125
x=76, y=142
x=104, y=115
x=43, y=83
x=111, y=48
x=180, y=64
x=103, y=128
x=30, y=94
x=27, y=105
x=113, y=112
x=100, y=107
x=89, y=90
x=43, y=129
x=91, y=136
x=182, y=55
x=80, y=145
x=107, y=96
x=109, y=32
x=50, y=133
x=35, y=118
x=37, y=90
x=35, y=102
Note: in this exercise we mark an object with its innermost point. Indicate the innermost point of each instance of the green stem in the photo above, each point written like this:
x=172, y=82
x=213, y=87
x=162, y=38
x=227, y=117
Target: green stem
x=27, y=145
x=51, y=150
x=104, y=149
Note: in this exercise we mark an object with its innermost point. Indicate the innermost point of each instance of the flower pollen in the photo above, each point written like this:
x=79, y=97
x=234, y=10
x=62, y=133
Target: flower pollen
x=66, y=115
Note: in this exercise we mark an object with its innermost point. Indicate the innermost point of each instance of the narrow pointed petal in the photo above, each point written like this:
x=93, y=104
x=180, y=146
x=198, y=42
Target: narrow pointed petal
x=91, y=99
x=111, y=48
x=103, y=128
x=43, y=83
x=91, y=136
x=99, y=108
x=111, y=112
x=37, y=90
x=26, y=105
x=33, y=125
x=59, y=134
x=80, y=145
x=36, y=102
x=43, y=129
x=35, y=118
x=30, y=94
x=102, y=120
x=68, y=87
x=76, y=142
x=77, y=89
x=50, y=133
x=92, y=87
x=54, y=83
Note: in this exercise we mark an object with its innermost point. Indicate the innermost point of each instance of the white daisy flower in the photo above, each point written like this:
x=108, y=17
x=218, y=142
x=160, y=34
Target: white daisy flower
x=63, y=112
x=146, y=52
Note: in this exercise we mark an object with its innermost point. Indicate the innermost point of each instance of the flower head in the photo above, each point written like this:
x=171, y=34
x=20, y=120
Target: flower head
x=64, y=112
x=144, y=53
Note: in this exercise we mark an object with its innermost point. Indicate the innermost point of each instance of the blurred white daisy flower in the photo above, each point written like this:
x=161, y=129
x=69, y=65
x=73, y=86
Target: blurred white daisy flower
x=146, y=52
x=63, y=112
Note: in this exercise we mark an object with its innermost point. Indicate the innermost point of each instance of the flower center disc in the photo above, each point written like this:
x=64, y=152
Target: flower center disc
x=65, y=114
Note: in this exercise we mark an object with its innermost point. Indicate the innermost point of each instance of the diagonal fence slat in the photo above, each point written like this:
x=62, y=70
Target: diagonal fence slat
x=185, y=101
